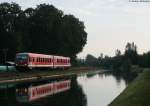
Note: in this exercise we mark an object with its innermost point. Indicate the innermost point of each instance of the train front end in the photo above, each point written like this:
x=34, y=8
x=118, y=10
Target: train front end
x=21, y=60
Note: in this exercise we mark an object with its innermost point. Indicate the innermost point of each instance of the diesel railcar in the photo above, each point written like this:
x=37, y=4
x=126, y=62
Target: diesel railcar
x=34, y=60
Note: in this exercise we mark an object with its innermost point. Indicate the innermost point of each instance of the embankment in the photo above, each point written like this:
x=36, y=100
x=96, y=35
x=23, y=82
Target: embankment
x=13, y=77
x=137, y=93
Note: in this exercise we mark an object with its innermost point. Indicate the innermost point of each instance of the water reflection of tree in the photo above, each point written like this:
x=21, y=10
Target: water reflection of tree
x=90, y=75
x=7, y=96
x=127, y=77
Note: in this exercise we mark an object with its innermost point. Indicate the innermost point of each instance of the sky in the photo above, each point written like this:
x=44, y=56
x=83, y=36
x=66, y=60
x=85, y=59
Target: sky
x=110, y=24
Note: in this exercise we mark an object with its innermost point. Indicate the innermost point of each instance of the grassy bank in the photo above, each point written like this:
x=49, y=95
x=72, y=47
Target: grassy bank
x=137, y=93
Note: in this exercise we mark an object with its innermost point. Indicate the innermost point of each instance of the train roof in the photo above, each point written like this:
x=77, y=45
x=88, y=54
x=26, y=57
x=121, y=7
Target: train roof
x=34, y=54
x=61, y=57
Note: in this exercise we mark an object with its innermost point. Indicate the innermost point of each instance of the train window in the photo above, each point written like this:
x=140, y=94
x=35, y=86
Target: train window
x=22, y=57
x=32, y=59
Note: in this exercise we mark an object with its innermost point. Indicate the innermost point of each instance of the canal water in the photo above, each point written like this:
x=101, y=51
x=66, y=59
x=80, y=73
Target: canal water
x=93, y=89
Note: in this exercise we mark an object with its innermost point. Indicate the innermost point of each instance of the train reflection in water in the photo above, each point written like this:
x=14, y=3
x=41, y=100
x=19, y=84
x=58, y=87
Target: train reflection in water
x=64, y=91
x=39, y=91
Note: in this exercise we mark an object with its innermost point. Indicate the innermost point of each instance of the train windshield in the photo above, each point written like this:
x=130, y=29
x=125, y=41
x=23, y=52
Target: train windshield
x=21, y=57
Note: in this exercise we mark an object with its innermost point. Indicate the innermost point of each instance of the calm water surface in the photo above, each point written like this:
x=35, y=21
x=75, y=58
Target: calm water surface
x=84, y=90
x=101, y=89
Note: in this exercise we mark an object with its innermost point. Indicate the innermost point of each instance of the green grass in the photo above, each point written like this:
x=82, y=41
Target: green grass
x=137, y=93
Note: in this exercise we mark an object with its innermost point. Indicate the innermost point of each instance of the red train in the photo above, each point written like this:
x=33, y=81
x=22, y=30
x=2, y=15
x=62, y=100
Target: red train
x=33, y=60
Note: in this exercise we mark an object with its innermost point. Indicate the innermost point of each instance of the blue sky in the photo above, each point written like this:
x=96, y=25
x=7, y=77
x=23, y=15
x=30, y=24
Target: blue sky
x=110, y=24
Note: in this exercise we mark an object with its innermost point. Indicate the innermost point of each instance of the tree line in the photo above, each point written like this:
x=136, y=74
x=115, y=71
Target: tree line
x=119, y=62
x=44, y=29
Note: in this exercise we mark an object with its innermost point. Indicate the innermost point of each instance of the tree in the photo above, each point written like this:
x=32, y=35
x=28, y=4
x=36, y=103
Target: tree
x=8, y=19
x=44, y=29
x=73, y=37
x=52, y=32
x=91, y=60
x=118, y=52
x=131, y=52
